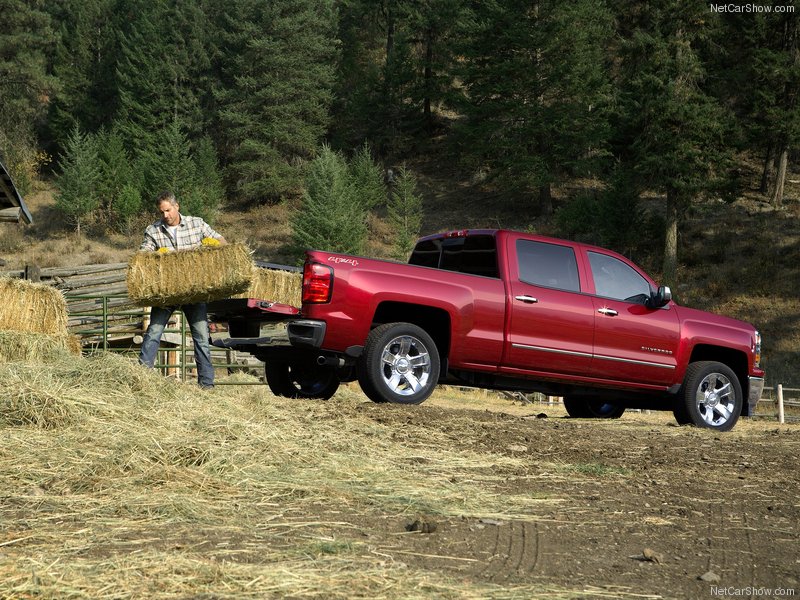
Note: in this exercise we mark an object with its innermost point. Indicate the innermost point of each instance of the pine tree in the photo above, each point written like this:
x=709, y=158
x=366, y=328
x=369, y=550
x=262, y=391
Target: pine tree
x=760, y=62
x=84, y=61
x=367, y=177
x=160, y=70
x=25, y=86
x=673, y=134
x=77, y=184
x=277, y=65
x=536, y=92
x=168, y=165
x=116, y=172
x=330, y=216
x=405, y=213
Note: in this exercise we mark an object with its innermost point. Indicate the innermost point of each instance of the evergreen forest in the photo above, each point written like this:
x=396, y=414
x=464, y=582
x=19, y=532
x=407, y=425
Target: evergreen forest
x=258, y=102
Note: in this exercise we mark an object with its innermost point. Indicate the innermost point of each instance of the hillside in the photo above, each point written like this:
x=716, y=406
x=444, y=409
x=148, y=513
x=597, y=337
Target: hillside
x=741, y=259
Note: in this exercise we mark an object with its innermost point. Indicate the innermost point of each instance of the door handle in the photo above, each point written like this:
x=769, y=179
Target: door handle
x=607, y=311
x=526, y=299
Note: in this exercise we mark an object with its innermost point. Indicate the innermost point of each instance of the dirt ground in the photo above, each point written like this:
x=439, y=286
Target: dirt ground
x=636, y=507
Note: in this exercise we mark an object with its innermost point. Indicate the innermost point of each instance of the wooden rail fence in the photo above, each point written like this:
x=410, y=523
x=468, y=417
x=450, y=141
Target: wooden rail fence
x=97, y=297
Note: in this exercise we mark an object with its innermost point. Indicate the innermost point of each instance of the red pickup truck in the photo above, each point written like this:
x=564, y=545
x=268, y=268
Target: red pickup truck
x=502, y=310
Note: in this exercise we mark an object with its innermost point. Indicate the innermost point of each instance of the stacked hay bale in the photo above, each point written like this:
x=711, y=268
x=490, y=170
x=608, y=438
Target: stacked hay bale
x=275, y=285
x=33, y=321
x=199, y=275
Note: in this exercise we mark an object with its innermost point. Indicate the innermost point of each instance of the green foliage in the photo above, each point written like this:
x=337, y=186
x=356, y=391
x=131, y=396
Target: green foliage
x=80, y=173
x=367, y=178
x=84, y=60
x=405, y=213
x=330, y=216
x=116, y=173
x=536, y=91
x=128, y=206
x=160, y=70
x=276, y=64
x=25, y=85
x=611, y=217
x=208, y=179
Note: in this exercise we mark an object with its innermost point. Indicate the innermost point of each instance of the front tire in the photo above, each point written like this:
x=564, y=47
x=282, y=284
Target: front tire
x=300, y=379
x=711, y=396
x=592, y=408
x=400, y=364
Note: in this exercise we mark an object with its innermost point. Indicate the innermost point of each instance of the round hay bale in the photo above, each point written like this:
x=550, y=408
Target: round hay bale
x=32, y=307
x=189, y=276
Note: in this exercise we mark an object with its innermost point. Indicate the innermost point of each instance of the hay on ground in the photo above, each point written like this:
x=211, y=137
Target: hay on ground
x=285, y=287
x=188, y=276
x=24, y=346
x=32, y=307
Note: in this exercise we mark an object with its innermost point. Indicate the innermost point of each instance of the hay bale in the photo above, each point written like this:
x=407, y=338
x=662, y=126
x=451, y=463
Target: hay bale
x=276, y=285
x=32, y=307
x=188, y=276
x=24, y=346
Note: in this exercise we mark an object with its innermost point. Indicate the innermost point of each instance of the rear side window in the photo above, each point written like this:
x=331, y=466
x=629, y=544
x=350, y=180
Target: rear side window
x=616, y=279
x=548, y=265
x=473, y=254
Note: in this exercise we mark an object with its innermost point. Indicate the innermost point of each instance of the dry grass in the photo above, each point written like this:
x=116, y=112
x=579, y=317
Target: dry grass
x=137, y=486
x=22, y=346
x=31, y=307
x=198, y=275
x=275, y=285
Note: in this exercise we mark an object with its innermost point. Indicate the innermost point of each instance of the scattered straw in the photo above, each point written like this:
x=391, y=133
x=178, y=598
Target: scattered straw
x=276, y=285
x=21, y=346
x=33, y=307
x=188, y=276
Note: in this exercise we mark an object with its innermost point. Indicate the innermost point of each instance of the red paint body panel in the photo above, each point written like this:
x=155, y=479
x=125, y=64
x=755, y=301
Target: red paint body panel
x=575, y=336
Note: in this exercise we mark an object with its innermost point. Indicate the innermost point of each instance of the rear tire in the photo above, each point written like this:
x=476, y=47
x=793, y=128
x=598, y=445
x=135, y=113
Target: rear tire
x=400, y=364
x=592, y=408
x=711, y=396
x=300, y=379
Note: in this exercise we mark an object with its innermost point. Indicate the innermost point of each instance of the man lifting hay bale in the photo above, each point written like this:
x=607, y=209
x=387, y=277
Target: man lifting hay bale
x=184, y=280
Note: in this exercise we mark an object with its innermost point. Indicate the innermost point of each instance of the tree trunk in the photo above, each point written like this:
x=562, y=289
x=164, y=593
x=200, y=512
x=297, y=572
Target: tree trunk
x=766, y=174
x=426, y=109
x=671, y=239
x=545, y=200
x=780, y=176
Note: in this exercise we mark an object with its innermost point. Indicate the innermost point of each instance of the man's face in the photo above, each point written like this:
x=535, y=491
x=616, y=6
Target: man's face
x=170, y=213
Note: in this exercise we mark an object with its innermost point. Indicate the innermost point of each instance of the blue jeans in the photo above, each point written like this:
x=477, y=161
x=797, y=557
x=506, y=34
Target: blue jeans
x=197, y=317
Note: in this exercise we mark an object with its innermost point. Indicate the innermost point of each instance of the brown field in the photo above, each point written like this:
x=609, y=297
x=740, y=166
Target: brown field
x=117, y=483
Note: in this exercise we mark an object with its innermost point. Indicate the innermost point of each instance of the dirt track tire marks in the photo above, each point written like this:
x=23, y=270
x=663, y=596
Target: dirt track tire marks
x=515, y=552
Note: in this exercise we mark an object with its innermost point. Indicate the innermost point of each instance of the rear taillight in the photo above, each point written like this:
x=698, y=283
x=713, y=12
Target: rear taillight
x=757, y=350
x=317, y=283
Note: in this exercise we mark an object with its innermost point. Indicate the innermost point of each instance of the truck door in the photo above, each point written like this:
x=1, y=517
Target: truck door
x=550, y=323
x=632, y=342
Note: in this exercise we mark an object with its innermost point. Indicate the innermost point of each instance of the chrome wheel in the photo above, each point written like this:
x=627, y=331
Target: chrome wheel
x=711, y=396
x=400, y=363
x=715, y=399
x=406, y=365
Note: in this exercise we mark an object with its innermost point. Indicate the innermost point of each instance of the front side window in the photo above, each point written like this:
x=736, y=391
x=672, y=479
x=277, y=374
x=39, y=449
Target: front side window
x=616, y=279
x=548, y=265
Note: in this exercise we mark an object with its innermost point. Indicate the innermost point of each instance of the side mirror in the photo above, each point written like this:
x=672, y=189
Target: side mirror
x=661, y=298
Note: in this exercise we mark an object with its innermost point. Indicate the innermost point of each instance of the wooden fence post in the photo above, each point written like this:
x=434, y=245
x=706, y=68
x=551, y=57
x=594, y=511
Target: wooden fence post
x=781, y=418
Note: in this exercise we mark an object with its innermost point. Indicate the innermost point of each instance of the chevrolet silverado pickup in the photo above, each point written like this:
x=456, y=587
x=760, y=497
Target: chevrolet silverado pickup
x=502, y=310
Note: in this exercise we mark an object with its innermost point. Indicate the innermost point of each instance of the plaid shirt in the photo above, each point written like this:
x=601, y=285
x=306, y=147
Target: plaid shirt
x=191, y=231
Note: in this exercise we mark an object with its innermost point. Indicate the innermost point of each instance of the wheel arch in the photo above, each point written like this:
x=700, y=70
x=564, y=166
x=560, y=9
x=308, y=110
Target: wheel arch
x=734, y=359
x=435, y=321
